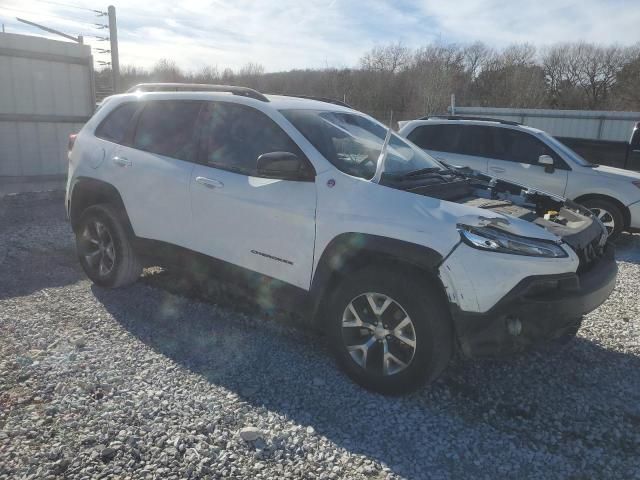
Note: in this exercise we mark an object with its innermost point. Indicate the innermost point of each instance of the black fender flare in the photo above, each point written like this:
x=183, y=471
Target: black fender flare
x=350, y=251
x=87, y=191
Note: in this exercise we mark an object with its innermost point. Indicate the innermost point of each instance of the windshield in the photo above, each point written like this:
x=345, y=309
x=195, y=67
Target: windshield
x=575, y=156
x=353, y=143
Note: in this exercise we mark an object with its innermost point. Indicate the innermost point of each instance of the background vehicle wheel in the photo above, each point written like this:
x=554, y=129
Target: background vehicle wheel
x=391, y=331
x=104, y=248
x=608, y=213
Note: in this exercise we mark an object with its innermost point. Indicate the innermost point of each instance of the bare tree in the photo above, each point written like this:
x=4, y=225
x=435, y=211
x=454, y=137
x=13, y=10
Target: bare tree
x=626, y=91
x=208, y=74
x=475, y=56
x=390, y=58
x=519, y=55
x=418, y=82
x=166, y=71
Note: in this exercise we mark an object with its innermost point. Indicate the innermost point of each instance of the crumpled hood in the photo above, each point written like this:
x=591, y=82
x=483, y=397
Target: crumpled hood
x=477, y=200
x=517, y=226
x=519, y=209
x=531, y=213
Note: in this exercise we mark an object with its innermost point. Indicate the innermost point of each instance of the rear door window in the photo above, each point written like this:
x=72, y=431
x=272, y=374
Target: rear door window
x=115, y=126
x=168, y=127
x=451, y=138
x=477, y=141
x=235, y=135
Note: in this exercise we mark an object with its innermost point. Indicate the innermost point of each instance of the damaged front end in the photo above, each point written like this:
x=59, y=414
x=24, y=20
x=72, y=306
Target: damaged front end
x=549, y=219
x=520, y=301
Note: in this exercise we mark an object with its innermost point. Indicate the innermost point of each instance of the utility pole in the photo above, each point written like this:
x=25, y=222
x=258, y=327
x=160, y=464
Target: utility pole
x=113, y=37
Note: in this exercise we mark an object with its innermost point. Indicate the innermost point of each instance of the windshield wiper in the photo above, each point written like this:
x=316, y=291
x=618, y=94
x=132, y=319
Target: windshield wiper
x=422, y=171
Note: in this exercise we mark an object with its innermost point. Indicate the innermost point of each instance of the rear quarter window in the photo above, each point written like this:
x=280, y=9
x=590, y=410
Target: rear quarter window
x=115, y=126
x=168, y=127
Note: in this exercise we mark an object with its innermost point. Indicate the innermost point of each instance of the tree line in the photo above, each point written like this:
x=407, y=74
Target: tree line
x=413, y=82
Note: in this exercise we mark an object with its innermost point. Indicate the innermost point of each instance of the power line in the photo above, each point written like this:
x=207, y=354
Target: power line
x=70, y=6
x=81, y=23
x=32, y=12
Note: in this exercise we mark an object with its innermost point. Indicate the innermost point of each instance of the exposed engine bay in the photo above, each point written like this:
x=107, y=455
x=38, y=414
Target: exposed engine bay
x=576, y=225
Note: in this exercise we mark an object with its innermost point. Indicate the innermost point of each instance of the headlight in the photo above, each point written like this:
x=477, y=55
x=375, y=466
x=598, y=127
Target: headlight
x=495, y=240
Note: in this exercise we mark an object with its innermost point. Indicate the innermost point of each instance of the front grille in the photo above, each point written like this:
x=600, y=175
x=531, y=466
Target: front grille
x=589, y=255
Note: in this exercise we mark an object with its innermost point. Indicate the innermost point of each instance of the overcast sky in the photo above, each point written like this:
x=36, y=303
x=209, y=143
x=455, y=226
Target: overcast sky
x=286, y=34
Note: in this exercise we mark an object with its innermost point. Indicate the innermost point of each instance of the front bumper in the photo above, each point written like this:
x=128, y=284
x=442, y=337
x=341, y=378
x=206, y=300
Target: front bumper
x=538, y=308
x=634, y=217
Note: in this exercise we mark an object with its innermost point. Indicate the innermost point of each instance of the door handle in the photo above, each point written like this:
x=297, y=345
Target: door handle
x=497, y=169
x=122, y=161
x=209, y=182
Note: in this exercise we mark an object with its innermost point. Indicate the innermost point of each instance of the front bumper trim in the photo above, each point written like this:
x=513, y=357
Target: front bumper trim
x=547, y=307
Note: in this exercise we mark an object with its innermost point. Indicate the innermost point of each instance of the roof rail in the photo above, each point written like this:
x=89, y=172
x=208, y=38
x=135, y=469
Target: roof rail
x=319, y=99
x=198, y=87
x=463, y=117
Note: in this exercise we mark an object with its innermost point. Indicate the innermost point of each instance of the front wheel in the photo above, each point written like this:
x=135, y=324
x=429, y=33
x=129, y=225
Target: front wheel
x=104, y=248
x=608, y=213
x=391, y=331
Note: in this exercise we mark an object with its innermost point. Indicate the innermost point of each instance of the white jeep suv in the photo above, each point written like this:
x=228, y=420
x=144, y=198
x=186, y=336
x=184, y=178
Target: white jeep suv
x=532, y=157
x=400, y=259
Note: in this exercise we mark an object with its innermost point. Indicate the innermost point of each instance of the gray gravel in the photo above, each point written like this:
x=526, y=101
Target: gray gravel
x=150, y=382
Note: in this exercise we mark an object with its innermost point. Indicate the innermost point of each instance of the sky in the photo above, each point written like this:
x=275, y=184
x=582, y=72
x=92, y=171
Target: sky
x=288, y=34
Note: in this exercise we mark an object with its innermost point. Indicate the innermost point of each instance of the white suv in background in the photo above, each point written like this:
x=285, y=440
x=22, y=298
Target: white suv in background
x=320, y=208
x=522, y=154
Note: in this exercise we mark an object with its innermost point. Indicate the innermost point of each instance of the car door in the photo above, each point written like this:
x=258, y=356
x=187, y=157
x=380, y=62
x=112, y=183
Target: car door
x=152, y=170
x=516, y=159
x=632, y=160
x=455, y=144
x=266, y=225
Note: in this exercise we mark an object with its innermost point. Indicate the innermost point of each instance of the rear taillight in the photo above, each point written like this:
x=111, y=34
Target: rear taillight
x=72, y=140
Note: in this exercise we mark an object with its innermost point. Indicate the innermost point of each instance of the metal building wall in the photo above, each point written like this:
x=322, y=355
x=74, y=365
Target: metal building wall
x=46, y=93
x=592, y=125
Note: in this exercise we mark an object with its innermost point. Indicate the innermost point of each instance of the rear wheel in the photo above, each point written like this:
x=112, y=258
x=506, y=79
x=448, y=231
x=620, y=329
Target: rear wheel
x=608, y=213
x=104, y=247
x=391, y=331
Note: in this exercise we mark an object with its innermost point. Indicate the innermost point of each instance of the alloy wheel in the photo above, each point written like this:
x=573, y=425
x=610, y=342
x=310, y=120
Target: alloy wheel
x=97, y=248
x=606, y=218
x=378, y=334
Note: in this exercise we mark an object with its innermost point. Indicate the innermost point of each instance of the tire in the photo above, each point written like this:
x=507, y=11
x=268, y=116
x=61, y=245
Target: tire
x=570, y=334
x=104, y=247
x=411, y=297
x=608, y=213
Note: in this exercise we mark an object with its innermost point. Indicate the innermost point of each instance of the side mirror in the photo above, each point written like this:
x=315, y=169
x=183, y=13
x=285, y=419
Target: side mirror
x=547, y=162
x=283, y=165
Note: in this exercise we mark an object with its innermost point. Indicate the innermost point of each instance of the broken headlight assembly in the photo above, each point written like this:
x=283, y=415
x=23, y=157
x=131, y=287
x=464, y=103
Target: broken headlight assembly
x=495, y=240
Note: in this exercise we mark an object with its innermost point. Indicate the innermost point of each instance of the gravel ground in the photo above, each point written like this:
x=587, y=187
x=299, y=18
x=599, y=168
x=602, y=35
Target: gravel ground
x=147, y=382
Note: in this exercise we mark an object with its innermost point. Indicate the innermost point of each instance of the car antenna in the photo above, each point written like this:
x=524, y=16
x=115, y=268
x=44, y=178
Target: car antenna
x=383, y=153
